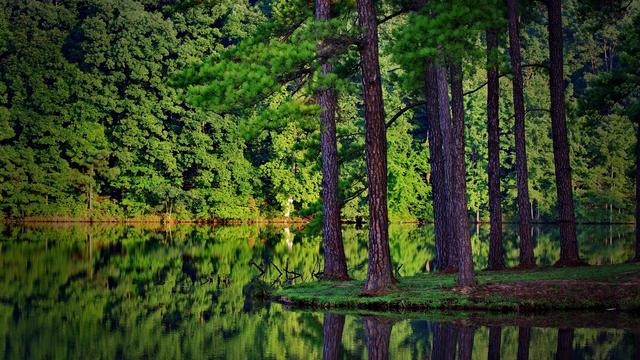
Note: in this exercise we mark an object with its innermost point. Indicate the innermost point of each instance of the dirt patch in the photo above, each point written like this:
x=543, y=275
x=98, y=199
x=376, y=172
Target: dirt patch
x=569, y=292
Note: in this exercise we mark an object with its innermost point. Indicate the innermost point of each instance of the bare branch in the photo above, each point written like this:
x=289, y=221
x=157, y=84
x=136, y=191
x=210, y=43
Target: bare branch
x=502, y=75
x=391, y=16
x=403, y=110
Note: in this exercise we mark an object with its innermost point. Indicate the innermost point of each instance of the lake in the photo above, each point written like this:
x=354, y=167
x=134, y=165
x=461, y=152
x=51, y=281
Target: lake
x=114, y=291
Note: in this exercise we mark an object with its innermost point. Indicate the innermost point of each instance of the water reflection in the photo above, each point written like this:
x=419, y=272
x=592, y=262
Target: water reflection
x=389, y=338
x=332, y=336
x=565, y=344
x=190, y=292
x=524, y=339
x=495, y=338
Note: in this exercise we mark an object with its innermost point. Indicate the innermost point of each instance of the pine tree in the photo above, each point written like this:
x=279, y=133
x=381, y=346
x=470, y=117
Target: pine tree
x=466, y=275
x=439, y=191
x=522, y=169
x=569, y=255
x=496, y=258
x=380, y=273
x=335, y=264
x=449, y=166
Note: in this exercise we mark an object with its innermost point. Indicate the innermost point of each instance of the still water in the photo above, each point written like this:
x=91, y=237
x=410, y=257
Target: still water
x=108, y=292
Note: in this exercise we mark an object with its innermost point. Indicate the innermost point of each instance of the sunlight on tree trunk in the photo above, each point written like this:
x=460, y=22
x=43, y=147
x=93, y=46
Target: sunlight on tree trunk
x=379, y=274
x=335, y=263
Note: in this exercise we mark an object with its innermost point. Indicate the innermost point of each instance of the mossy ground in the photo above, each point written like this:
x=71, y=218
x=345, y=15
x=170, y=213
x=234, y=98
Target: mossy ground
x=588, y=287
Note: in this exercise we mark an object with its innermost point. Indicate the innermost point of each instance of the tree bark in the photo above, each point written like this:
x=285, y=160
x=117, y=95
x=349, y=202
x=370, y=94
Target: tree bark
x=637, y=257
x=564, y=350
x=524, y=339
x=332, y=341
x=436, y=159
x=379, y=273
x=522, y=172
x=458, y=202
x=495, y=341
x=496, y=257
x=378, y=335
x=335, y=263
x=448, y=161
x=569, y=255
x=465, y=346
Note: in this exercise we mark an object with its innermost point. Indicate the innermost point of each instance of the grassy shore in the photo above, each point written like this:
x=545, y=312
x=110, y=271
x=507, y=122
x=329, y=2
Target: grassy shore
x=585, y=288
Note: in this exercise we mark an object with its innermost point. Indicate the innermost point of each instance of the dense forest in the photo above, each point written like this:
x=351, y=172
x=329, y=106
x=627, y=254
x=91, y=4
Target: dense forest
x=209, y=109
x=309, y=115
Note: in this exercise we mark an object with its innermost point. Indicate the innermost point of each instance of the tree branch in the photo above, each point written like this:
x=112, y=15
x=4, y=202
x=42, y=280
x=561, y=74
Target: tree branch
x=353, y=196
x=391, y=16
x=502, y=75
x=404, y=110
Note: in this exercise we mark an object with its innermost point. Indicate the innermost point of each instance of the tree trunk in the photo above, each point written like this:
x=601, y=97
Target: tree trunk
x=522, y=172
x=465, y=339
x=564, y=350
x=438, y=190
x=495, y=341
x=90, y=205
x=335, y=263
x=458, y=201
x=637, y=258
x=378, y=335
x=332, y=341
x=448, y=161
x=496, y=257
x=569, y=255
x=443, y=345
x=90, y=199
x=379, y=273
x=524, y=339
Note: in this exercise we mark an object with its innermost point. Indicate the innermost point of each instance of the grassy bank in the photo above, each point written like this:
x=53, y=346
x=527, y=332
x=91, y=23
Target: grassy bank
x=590, y=287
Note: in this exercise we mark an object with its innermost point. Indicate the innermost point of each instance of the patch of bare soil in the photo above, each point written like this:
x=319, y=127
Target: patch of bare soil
x=567, y=292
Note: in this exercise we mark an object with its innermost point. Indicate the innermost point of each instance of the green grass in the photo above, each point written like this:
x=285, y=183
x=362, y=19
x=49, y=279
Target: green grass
x=434, y=291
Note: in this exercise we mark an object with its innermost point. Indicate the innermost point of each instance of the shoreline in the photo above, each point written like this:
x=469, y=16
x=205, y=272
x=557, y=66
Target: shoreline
x=275, y=221
x=593, y=288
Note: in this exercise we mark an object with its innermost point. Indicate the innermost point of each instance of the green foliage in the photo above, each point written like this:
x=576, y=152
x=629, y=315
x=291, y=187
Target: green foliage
x=206, y=109
x=89, y=98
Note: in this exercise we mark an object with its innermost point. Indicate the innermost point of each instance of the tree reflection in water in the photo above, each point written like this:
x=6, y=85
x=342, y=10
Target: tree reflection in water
x=524, y=339
x=465, y=347
x=495, y=338
x=189, y=291
x=378, y=331
x=565, y=344
x=332, y=330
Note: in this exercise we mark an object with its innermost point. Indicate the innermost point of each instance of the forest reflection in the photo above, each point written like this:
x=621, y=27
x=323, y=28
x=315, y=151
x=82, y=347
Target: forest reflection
x=103, y=291
x=450, y=340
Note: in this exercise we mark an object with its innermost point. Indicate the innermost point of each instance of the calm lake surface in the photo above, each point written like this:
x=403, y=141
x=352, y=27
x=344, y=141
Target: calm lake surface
x=107, y=292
